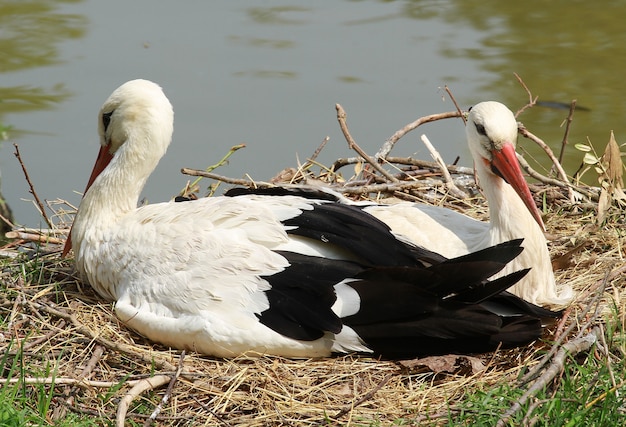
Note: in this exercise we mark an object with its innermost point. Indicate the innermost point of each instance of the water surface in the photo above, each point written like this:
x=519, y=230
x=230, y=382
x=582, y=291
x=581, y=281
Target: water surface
x=268, y=74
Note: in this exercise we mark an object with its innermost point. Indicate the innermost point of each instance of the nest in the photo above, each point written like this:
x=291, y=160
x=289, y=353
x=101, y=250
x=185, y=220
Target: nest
x=60, y=341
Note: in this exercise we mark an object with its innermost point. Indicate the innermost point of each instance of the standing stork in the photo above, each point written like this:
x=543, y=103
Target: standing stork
x=286, y=275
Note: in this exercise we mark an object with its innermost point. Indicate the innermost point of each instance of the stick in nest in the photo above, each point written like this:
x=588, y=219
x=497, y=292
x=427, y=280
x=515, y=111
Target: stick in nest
x=143, y=385
x=42, y=210
x=341, y=118
x=168, y=392
x=558, y=364
x=456, y=192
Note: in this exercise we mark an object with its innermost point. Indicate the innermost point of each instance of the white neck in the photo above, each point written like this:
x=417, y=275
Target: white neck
x=510, y=219
x=113, y=194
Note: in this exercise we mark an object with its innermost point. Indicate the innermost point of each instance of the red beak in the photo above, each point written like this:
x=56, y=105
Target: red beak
x=505, y=161
x=104, y=158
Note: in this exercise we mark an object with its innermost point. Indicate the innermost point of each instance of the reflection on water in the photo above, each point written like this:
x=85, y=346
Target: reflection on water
x=31, y=31
x=278, y=15
x=257, y=42
x=563, y=50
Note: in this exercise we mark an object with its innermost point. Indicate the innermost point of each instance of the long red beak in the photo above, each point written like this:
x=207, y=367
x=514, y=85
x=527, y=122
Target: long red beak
x=104, y=158
x=505, y=161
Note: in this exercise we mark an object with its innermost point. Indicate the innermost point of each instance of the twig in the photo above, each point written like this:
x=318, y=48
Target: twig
x=339, y=163
x=341, y=118
x=531, y=101
x=568, y=123
x=141, y=386
x=317, y=152
x=444, y=170
x=81, y=382
x=598, y=291
x=31, y=237
x=449, y=92
x=557, y=165
x=364, y=398
x=389, y=143
x=93, y=361
x=221, y=162
x=7, y=221
x=527, y=134
x=168, y=392
x=462, y=170
x=111, y=345
x=385, y=188
x=552, y=181
x=235, y=181
x=42, y=210
x=46, y=337
x=558, y=364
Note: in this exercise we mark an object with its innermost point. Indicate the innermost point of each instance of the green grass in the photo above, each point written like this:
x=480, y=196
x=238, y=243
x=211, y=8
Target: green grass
x=24, y=404
x=590, y=392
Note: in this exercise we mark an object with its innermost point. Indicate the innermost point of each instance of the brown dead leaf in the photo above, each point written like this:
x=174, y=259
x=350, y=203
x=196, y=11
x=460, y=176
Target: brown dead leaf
x=565, y=261
x=611, y=179
x=450, y=363
x=612, y=161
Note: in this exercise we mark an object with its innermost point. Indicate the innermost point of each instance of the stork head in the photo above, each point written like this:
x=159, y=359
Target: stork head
x=491, y=135
x=138, y=120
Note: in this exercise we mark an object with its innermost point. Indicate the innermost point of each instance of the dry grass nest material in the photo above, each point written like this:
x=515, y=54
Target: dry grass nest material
x=61, y=332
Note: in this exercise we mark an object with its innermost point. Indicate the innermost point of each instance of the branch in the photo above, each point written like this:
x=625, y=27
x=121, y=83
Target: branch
x=65, y=381
x=531, y=101
x=234, y=181
x=558, y=364
x=168, y=392
x=389, y=143
x=341, y=118
x=365, y=398
x=527, y=134
x=568, y=123
x=444, y=170
x=141, y=386
x=33, y=237
x=42, y=210
x=111, y=345
x=449, y=92
x=551, y=181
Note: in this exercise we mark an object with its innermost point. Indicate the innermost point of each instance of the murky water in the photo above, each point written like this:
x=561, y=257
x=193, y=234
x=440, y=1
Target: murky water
x=268, y=73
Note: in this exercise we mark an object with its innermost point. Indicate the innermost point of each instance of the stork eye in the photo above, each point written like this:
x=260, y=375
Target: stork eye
x=106, y=119
x=480, y=129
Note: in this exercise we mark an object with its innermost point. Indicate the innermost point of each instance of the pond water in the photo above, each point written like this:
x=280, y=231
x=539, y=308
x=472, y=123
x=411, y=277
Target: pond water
x=268, y=74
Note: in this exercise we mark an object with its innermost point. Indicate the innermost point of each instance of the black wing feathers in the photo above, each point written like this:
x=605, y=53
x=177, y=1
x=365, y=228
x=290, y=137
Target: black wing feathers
x=350, y=228
x=302, y=295
x=412, y=301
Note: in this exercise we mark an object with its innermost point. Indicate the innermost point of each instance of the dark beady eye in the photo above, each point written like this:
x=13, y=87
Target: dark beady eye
x=480, y=129
x=106, y=119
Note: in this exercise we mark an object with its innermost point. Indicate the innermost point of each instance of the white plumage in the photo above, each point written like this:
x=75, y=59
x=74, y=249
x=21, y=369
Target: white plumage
x=289, y=275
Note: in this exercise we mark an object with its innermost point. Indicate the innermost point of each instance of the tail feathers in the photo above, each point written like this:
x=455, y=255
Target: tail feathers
x=475, y=267
x=489, y=289
x=517, y=331
x=507, y=304
x=467, y=330
x=464, y=278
